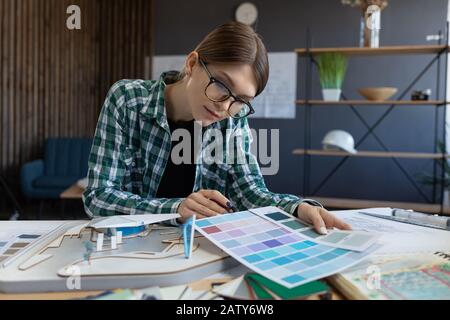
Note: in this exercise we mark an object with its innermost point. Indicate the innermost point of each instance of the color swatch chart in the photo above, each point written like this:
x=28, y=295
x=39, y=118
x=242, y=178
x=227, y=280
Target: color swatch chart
x=273, y=251
x=351, y=240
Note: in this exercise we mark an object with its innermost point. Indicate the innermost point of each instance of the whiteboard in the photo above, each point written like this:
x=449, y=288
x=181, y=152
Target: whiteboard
x=166, y=63
x=278, y=98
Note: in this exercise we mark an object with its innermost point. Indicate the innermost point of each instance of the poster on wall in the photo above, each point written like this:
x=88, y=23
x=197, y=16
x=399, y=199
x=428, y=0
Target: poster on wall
x=278, y=98
x=166, y=63
x=277, y=101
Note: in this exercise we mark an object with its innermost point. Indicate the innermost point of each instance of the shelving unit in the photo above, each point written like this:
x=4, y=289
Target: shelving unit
x=388, y=50
x=374, y=103
x=371, y=154
x=434, y=205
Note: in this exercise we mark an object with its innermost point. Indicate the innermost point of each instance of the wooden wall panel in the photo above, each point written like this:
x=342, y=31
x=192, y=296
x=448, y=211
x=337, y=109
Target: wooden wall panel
x=53, y=80
x=131, y=44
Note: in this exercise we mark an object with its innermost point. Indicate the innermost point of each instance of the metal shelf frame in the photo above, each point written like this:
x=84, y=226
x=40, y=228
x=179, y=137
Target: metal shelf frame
x=437, y=52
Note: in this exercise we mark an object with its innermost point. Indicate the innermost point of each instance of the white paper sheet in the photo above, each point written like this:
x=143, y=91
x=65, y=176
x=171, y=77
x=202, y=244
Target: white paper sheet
x=173, y=293
x=396, y=237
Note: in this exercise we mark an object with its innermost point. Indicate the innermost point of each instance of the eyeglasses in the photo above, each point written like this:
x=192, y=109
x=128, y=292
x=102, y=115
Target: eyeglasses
x=216, y=91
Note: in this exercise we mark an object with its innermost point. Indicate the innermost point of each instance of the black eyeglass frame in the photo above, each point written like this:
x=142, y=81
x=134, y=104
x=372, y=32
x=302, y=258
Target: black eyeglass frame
x=230, y=94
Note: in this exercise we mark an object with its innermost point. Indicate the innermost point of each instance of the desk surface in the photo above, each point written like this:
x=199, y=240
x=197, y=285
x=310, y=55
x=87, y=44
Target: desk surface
x=204, y=284
x=73, y=192
x=412, y=237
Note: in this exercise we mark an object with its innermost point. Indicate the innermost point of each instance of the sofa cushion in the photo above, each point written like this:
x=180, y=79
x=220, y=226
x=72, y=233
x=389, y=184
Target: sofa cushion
x=67, y=157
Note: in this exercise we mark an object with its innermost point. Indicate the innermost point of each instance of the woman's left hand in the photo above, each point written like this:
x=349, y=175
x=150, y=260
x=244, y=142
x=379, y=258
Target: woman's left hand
x=320, y=218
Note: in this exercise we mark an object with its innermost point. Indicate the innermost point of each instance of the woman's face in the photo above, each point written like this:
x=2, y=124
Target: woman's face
x=238, y=78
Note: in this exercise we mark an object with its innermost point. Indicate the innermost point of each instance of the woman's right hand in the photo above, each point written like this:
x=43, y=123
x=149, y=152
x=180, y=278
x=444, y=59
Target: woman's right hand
x=204, y=203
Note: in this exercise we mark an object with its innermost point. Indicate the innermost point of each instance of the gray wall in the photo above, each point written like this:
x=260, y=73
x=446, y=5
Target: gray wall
x=180, y=25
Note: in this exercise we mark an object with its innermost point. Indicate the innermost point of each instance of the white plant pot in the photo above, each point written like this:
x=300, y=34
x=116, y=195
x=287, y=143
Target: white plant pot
x=331, y=94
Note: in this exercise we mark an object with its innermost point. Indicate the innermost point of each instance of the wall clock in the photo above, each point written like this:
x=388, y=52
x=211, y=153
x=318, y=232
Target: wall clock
x=247, y=13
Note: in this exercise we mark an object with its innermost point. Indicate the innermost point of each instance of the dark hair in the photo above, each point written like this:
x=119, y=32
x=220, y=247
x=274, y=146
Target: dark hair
x=235, y=42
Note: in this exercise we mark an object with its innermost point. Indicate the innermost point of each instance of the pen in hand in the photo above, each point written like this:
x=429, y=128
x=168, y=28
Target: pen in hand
x=231, y=207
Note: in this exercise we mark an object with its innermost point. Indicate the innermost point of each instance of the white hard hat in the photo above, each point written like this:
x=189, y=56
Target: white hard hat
x=339, y=139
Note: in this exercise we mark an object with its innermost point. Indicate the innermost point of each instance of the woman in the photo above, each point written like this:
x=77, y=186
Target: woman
x=130, y=167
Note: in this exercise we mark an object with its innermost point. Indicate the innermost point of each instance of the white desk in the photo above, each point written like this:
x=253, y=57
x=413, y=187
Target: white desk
x=47, y=270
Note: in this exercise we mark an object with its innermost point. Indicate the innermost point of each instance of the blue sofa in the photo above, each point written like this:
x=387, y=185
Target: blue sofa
x=65, y=162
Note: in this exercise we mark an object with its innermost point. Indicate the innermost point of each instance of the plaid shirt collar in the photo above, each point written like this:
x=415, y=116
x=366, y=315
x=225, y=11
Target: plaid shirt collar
x=156, y=108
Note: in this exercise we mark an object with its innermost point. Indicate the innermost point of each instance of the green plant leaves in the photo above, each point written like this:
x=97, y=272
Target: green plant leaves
x=332, y=67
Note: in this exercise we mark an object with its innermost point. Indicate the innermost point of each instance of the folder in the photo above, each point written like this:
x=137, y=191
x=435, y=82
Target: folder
x=265, y=288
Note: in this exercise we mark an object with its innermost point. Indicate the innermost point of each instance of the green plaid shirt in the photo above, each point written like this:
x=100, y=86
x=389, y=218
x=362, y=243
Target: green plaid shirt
x=132, y=145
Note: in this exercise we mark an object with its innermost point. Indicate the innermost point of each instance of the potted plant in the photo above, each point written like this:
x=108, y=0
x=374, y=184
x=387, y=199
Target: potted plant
x=332, y=67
